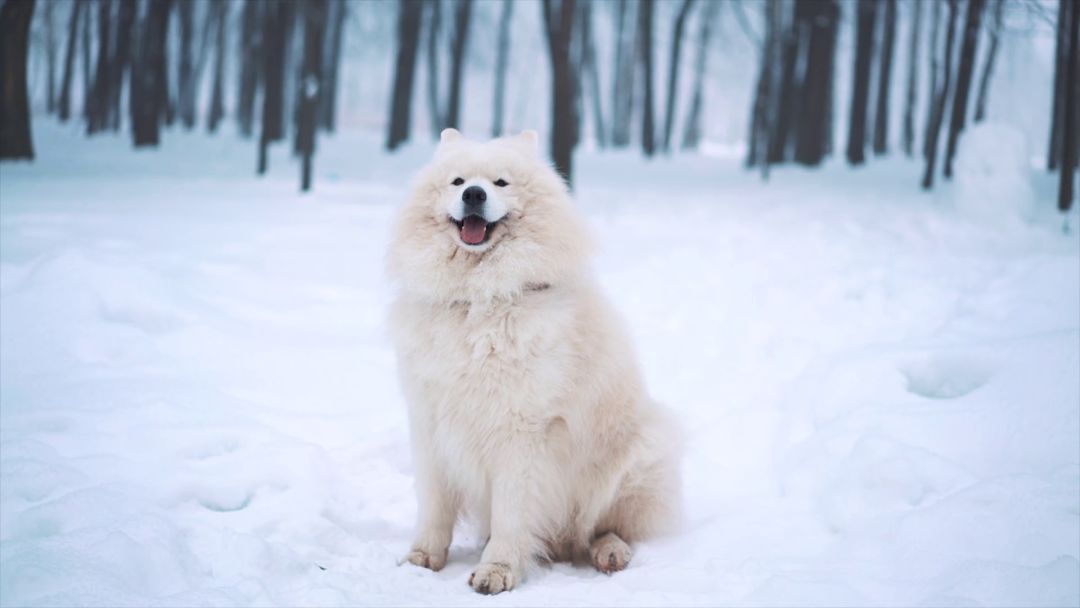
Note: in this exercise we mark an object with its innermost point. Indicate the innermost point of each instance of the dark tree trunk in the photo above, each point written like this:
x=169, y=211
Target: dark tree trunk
x=1060, y=81
x=673, y=70
x=502, y=60
x=434, y=100
x=622, y=101
x=408, y=38
x=462, y=18
x=1071, y=119
x=864, y=51
x=220, y=9
x=15, y=138
x=965, y=71
x=185, y=76
x=310, y=81
x=692, y=125
x=787, y=102
x=908, y=135
x=558, y=25
x=50, y=58
x=822, y=20
x=881, y=115
x=97, y=118
x=64, y=103
x=590, y=71
x=934, y=52
x=276, y=18
x=87, y=55
x=988, y=67
x=250, y=65
x=645, y=31
x=937, y=114
x=766, y=97
x=338, y=13
x=150, y=88
x=121, y=62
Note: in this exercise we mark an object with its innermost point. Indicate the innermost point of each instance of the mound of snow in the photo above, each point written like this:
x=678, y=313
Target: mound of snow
x=993, y=174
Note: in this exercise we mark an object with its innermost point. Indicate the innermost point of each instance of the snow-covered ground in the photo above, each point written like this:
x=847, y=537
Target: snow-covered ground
x=881, y=394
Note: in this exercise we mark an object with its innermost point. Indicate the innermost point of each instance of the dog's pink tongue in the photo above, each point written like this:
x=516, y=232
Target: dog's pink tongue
x=473, y=230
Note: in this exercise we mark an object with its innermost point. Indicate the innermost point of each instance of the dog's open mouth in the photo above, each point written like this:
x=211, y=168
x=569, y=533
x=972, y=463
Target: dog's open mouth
x=474, y=229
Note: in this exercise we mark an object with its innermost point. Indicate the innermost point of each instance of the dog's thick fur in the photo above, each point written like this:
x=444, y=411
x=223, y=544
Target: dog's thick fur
x=526, y=406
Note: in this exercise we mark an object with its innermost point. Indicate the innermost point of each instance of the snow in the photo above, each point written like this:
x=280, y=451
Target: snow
x=993, y=174
x=198, y=405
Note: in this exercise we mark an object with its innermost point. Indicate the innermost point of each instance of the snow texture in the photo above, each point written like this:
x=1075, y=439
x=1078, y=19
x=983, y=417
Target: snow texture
x=880, y=391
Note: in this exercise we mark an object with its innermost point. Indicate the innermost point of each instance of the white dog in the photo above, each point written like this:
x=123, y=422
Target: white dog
x=526, y=406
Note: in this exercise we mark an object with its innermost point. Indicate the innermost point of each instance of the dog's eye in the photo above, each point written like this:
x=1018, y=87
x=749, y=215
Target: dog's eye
x=458, y=181
x=502, y=183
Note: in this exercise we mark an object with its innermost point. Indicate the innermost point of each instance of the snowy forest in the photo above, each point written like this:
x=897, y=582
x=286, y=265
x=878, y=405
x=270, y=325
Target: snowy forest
x=842, y=235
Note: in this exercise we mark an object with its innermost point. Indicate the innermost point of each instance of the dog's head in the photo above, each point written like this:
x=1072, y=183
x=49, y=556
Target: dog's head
x=487, y=219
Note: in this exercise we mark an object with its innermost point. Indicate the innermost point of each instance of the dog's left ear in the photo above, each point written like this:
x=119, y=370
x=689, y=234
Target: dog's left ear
x=530, y=138
x=449, y=135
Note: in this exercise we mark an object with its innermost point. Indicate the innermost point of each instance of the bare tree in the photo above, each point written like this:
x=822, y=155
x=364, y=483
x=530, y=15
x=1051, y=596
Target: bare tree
x=408, y=39
x=937, y=113
x=149, y=85
x=645, y=55
x=766, y=104
x=988, y=66
x=934, y=53
x=881, y=115
x=64, y=103
x=462, y=18
x=434, y=100
x=673, y=70
x=1061, y=79
x=250, y=66
x=220, y=17
x=186, y=85
x=864, y=51
x=692, y=124
x=622, y=90
x=820, y=21
x=965, y=71
x=97, y=117
x=502, y=60
x=50, y=58
x=15, y=139
x=1071, y=119
x=275, y=40
x=87, y=78
x=121, y=60
x=313, y=13
x=908, y=136
x=558, y=25
x=337, y=16
x=590, y=74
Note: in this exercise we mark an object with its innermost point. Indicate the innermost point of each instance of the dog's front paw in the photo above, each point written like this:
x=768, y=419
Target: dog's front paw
x=610, y=553
x=492, y=578
x=431, y=561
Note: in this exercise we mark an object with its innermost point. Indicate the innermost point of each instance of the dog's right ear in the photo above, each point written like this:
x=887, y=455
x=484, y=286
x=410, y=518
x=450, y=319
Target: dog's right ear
x=449, y=135
x=531, y=139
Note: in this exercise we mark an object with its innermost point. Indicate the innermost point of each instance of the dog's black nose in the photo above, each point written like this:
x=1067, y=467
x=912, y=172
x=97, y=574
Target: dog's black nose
x=474, y=196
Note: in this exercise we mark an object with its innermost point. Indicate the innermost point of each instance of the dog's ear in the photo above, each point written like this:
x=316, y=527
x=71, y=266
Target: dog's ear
x=449, y=135
x=530, y=138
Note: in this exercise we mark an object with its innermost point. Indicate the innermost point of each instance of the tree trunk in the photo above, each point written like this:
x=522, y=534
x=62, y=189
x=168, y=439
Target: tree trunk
x=767, y=92
x=908, y=136
x=864, y=51
x=408, y=38
x=622, y=102
x=276, y=17
x=434, y=101
x=822, y=20
x=250, y=66
x=673, y=71
x=50, y=58
x=121, y=61
x=87, y=80
x=965, y=71
x=97, y=117
x=881, y=115
x=462, y=18
x=15, y=138
x=63, y=108
x=150, y=95
x=937, y=114
x=186, y=73
x=590, y=71
x=558, y=25
x=645, y=31
x=310, y=81
x=1060, y=80
x=502, y=60
x=1071, y=136
x=220, y=9
x=935, y=67
x=988, y=66
x=692, y=125
x=338, y=14
x=787, y=101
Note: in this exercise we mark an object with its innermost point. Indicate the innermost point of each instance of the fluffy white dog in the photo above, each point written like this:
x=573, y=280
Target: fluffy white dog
x=526, y=406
